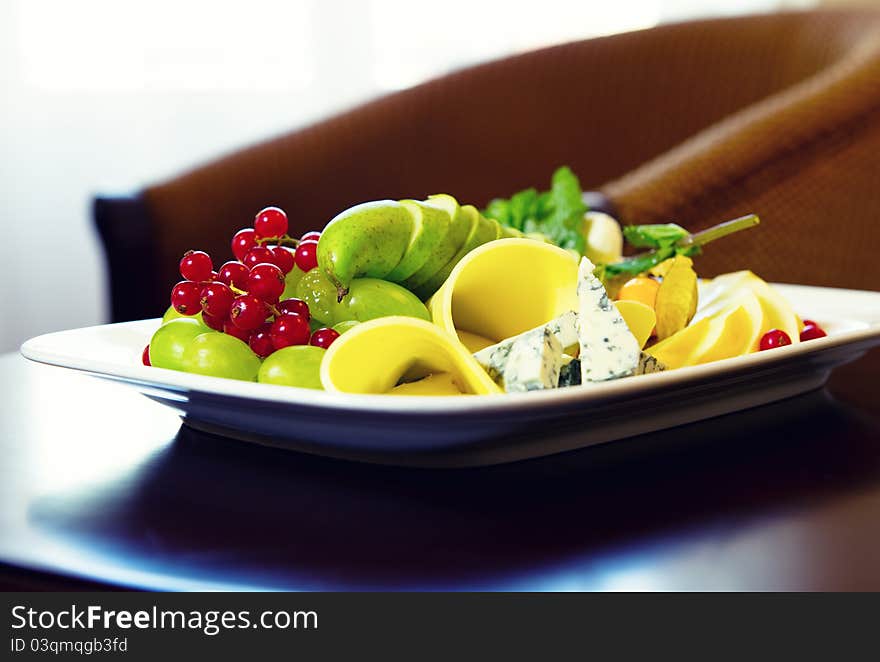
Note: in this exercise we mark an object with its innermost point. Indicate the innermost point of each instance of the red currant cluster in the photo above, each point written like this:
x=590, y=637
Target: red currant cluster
x=242, y=297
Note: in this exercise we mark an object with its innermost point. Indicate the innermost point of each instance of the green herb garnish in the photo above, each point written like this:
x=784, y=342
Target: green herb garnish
x=661, y=237
x=654, y=236
x=557, y=213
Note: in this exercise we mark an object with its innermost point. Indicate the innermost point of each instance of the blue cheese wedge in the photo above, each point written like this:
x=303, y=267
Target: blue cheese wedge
x=533, y=362
x=570, y=374
x=648, y=364
x=609, y=350
x=494, y=358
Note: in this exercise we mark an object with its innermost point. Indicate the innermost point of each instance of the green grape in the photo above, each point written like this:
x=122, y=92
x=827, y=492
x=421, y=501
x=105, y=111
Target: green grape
x=320, y=294
x=218, y=354
x=314, y=324
x=172, y=314
x=369, y=298
x=171, y=339
x=297, y=365
x=291, y=280
x=342, y=327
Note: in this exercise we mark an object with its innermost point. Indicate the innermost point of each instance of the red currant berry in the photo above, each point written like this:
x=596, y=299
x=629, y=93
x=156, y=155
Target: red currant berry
x=310, y=236
x=248, y=312
x=145, y=356
x=270, y=222
x=234, y=274
x=216, y=298
x=307, y=255
x=811, y=331
x=266, y=281
x=242, y=242
x=185, y=297
x=257, y=255
x=212, y=322
x=323, y=338
x=283, y=258
x=774, y=338
x=242, y=334
x=294, y=307
x=289, y=330
x=261, y=342
x=196, y=265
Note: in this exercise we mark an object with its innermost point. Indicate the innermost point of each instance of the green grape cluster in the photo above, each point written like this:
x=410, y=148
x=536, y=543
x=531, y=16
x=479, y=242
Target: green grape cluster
x=252, y=319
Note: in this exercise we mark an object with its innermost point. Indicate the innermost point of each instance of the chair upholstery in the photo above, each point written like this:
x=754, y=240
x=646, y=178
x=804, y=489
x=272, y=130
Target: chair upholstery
x=696, y=122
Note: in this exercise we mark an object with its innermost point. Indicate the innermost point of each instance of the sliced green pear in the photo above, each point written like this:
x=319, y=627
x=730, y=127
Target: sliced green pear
x=444, y=201
x=490, y=229
x=499, y=229
x=508, y=232
x=458, y=231
x=368, y=239
x=430, y=226
x=479, y=234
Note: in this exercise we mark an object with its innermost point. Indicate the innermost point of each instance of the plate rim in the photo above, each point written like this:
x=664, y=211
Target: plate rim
x=136, y=374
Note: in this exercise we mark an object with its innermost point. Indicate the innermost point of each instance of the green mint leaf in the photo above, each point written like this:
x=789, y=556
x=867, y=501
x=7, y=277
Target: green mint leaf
x=568, y=208
x=522, y=208
x=654, y=236
x=544, y=205
x=499, y=209
x=557, y=213
x=531, y=225
x=639, y=263
x=688, y=251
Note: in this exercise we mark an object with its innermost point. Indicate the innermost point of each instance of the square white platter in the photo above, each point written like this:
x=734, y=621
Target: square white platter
x=477, y=430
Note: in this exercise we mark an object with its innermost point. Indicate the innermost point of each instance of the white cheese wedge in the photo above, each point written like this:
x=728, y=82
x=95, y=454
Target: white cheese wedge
x=609, y=350
x=494, y=358
x=534, y=362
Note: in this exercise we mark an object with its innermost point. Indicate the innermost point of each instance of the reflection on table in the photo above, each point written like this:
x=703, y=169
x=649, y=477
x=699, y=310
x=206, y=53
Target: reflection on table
x=101, y=482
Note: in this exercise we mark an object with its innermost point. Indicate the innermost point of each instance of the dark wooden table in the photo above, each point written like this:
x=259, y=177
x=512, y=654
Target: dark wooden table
x=99, y=484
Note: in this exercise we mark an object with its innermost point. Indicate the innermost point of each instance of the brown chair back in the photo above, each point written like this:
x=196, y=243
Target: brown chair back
x=694, y=122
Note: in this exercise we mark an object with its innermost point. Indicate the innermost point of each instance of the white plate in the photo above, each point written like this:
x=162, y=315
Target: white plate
x=463, y=431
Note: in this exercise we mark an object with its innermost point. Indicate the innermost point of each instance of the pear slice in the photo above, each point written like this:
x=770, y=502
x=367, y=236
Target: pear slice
x=497, y=227
x=368, y=240
x=675, y=351
x=477, y=236
x=443, y=252
x=730, y=331
x=639, y=317
x=716, y=295
x=778, y=313
x=676, y=301
x=430, y=227
x=739, y=330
